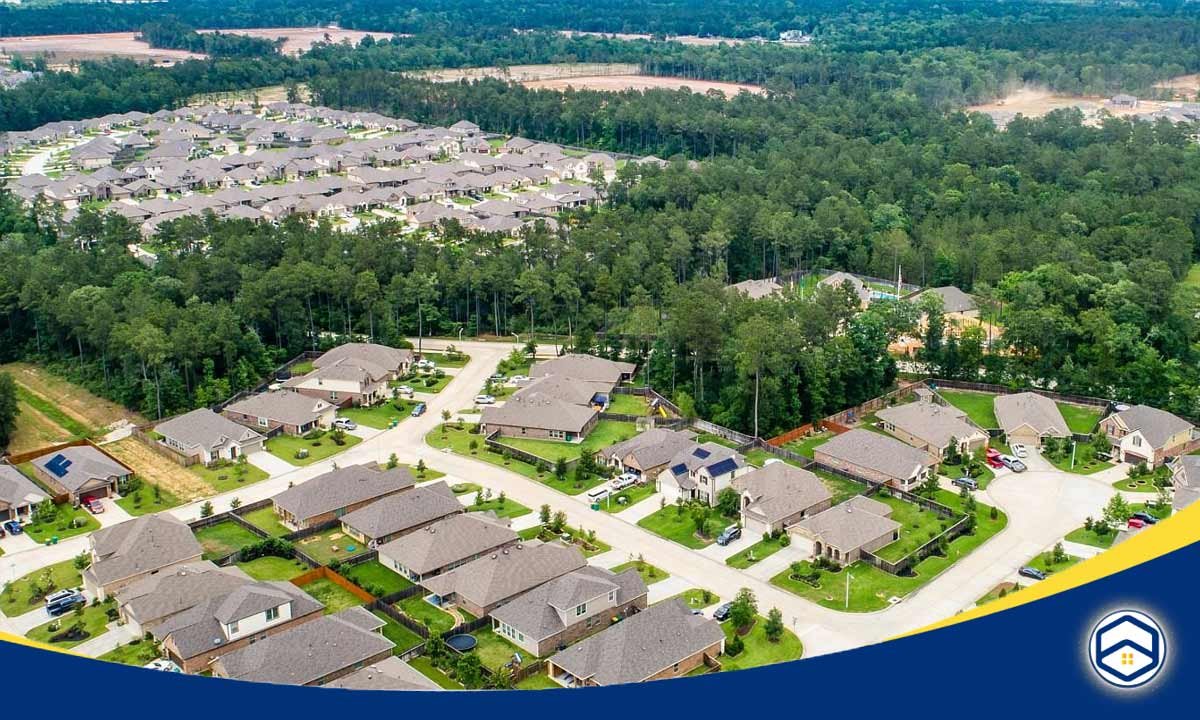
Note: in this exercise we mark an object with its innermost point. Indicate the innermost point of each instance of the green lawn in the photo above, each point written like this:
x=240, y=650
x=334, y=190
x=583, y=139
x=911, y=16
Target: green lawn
x=285, y=447
x=495, y=651
x=459, y=442
x=224, y=538
x=1084, y=536
x=266, y=520
x=227, y=477
x=759, y=650
x=426, y=382
x=538, y=681
x=1045, y=562
x=375, y=578
x=628, y=404
x=842, y=488
x=709, y=438
x=632, y=495
x=465, y=488
x=271, y=568
x=977, y=405
x=380, y=416
x=606, y=432
x=669, y=523
x=1162, y=513
x=445, y=361
x=510, y=509
x=397, y=633
x=650, y=574
x=578, y=538
x=956, y=471
x=755, y=553
x=137, y=653
x=919, y=526
x=330, y=545
x=335, y=597
x=994, y=594
x=694, y=598
x=871, y=588
x=436, y=619
x=67, y=522
x=16, y=599
x=1080, y=418
x=94, y=620
x=1144, y=483
x=805, y=446
x=424, y=666
x=144, y=501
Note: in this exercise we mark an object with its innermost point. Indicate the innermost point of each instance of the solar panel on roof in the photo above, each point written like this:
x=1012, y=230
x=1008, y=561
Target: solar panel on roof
x=58, y=465
x=679, y=469
x=701, y=453
x=726, y=465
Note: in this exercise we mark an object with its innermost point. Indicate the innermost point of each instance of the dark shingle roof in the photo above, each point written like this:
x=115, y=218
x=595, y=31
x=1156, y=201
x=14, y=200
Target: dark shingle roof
x=341, y=488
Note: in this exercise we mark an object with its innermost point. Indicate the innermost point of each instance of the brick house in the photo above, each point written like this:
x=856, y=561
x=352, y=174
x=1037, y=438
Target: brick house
x=337, y=493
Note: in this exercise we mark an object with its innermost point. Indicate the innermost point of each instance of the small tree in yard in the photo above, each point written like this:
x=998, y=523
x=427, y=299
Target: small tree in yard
x=235, y=503
x=501, y=499
x=479, y=499
x=774, y=626
x=560, y=469
x=1117, y=512
x=81, y=561
x=559, y=521
x=929, y=486
x=743, y=609
x=240, y=471
x=473, y=446
x=206, y=510
x=544, y=514
x=393, y=461
x=728, y=502
x=421, y=468
x=700, y=520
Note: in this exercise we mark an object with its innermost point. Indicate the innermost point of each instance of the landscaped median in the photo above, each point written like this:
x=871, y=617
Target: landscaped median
x=870, y=588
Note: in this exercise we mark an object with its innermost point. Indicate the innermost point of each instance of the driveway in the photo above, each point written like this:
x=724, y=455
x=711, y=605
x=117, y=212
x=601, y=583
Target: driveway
x=272, y=464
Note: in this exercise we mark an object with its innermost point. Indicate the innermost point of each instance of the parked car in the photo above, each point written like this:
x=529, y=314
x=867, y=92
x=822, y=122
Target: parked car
x=597, y=494
x=1136, y=523
x=1020, y=450
x=623, y=481
x=721, y=614
x=1012, y=463
x=515, y=379
x=968, y=483
x=345, y=423
x=497, y=377
x=405, y=390
x=992, y=458
x=1143, y=516
x=1032, y=572
x=63, y=601
x=13, y=527
x=1018, y=466
x=484, y=400
x=729, y=534
x=95, y=506
x=418, y=410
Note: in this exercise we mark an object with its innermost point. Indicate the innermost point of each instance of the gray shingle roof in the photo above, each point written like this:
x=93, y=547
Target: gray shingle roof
x=507, y=573
x=141, y=545
x=652, y=448
x=366, y=354
x=1028, y=408
x=447, y=541
x=1157, y=426
x=290, y=408
x=163, y=594
x=640, y=646
x=778, y=491
x=535, y=410
x=387, y=674
x=933, y=423
x=757, y=289
x=74, y=467
x=877, y=452
x=308, y=652
x=852, y=524
x=341, y=488
x=400, y=512
x=954, y=300
x=539, y=613
x=206, y=429
x=16, y=489
x=583, y=367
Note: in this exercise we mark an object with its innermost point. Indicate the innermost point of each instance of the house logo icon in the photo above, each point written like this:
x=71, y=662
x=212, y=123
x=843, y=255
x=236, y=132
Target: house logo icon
x=1127, y=648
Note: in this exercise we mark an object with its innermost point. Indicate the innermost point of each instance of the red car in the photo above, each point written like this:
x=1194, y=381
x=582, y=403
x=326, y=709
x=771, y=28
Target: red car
x=1136, y=523
x=992, y=457
x=94, y=506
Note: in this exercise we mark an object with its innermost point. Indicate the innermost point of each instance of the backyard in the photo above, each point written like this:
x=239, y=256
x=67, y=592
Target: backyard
x=397, y=633
x=329, y=546
x=18, y=596
x=224, y=538
x=606, y=432
x=266, y=520
x=806, y=446
x=424, y=665
x=375, y=578
x=978, y=406
x=622, y=404
x=285, y=447
x=419, y=610
x=1080, y=419
x=494, y=651
x=335, y=597
x=270, y=568
x=758, y=649
x=919, y=526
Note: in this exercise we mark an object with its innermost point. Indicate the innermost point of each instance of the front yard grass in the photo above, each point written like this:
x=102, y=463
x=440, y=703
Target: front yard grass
x=985, y=477
x=148, y=499
x=755, y=553
x=18, y=599
x=335, y=597
x=434, y=618
x=266, y=520
x=285, y=447
x=650, y=574
x=375, y=578
x=758, y=649
x=1083, y=536
x=697, y=598
x=67, y=522
x=229, y=476
x=380, y=416
x=510, y=509
x=1080, y=419
x=458, y=438
x=137, y=652
x=94, y=622
x=632, y=496
x=446, y=361
x=272, y=568
x=979, y=406
x=1045, y=562
x=606, y=432
x=224, y=538
x=1142, y=483
x=330, y=545
x=669, y=523
x=579, y=538
x=1084, y=464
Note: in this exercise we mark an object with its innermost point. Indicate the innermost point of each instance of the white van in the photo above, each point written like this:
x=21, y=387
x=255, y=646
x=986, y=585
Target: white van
x=597, y=494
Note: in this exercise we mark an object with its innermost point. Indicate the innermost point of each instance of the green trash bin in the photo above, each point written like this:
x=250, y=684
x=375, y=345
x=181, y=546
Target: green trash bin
x=54, y=540
x=595, y=506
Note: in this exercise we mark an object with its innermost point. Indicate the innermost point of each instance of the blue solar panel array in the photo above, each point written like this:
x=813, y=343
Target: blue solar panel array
x=679, y=469
x=58, y=465
x=726, y=465
x=701, y=453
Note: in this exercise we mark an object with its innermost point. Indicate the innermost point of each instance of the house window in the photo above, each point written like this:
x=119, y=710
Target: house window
x=1137, y=440
x=262, y=422
x=676, y=668
x=612, y=595
x=272, y=614
x=333, y=395
x=580, y=609
x=233, y=628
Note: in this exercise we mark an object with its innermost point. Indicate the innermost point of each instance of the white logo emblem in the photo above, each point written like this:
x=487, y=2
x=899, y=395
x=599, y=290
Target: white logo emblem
x=1127, y=648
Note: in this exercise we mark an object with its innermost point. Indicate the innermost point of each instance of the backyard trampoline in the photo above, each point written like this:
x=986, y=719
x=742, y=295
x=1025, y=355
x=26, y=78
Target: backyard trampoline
x=462, y=643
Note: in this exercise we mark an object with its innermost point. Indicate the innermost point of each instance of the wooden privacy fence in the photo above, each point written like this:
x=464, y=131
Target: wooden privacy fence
x=387, y=609
x=527, y=671
x=790, y=435
x=904, y=565
x=323, y=573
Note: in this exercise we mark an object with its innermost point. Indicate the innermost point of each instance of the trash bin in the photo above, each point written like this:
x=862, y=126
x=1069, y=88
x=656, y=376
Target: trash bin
x=54, y=540
x=595, y=506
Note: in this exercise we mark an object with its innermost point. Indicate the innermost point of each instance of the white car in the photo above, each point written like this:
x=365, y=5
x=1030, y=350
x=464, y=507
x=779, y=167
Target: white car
x=484, y=400
x=345, y=424
x=405, y=390
x=517, y=379
x=1020, y=450
x=623, y=481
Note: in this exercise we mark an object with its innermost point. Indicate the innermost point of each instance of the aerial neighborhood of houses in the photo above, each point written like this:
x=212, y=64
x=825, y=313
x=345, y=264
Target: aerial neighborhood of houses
x=326, y=529
x=266, y=163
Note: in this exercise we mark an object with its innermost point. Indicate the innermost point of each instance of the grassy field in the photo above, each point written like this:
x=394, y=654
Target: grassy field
x=265, y=519
x=1080, y=418
x=977, y=405
x=16, y=599
x=375, y=578
x=669, y=523
x=156, y=469
x=753, y=554
x=606, y=432
x=273, y=568
x=335, y=597
x=224, y=538
x=330, y=545
x=759, y=650
x=137, y=653
x=285, y=447
x=94, y=620
x=650, y=574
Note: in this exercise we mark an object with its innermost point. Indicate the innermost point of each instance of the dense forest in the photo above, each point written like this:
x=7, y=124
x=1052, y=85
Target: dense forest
x=171, y=34
x=1078, y=238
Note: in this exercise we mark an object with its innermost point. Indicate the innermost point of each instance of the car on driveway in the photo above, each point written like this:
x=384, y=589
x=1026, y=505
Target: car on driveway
x=721, y=614
x=1143, y=516
x=1012, y=463
x=485, y=400
x=1135, y=523
x=95, y=506
x=418, y=410
x=13, y=527
x=968, y=483
x=63, y=601
x=992, y=457
x=345, y=424
x=497, y=377
x=1031, y=572
x=1020, y=450
x=729, y=534
x=405, y=390
x=623, y=481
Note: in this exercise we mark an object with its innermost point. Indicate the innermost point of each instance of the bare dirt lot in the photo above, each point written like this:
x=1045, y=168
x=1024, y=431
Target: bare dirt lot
x=642, y=82
x=1036, y=102
x=152, y=467
x=1184, y=87
x=64, y=48
x=300, y=40
x=529, y=73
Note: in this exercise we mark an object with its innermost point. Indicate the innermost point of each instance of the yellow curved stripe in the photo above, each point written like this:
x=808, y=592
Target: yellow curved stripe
x=1179, y=530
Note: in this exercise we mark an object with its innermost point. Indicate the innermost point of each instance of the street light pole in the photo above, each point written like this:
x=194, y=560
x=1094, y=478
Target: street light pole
x=848, y=576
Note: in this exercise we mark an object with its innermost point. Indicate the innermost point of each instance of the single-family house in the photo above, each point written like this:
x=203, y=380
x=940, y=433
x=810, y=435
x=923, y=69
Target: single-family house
x=486, y=582
x=530, y=413
x=385, y=520
x=932, y=427
x=569, y=608
x=387, y=674
x=700, y=472
x=353, y=374
x=877, y=457
x=1141, y=433
x=757, y=289
x=646, y=454
x=778, y=495
x=130, y=551
x=337, y=493
x=1185, y=479
x=19, y=496
x=847, y=530
x=293, y=412
x=585, y=367
x=81, y=472
x=203, y=436
x=312, y=653
x=444, y=545
x=1029, y=418
x=857, y=287
x=663, y=641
